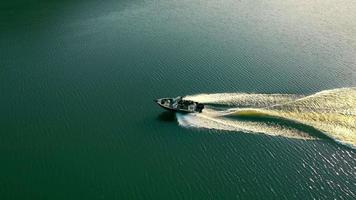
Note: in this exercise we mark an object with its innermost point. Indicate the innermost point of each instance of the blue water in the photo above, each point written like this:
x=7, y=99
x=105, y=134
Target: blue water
x=77, y=80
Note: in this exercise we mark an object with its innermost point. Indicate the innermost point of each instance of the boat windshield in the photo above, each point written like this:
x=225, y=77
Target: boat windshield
x=177, y=99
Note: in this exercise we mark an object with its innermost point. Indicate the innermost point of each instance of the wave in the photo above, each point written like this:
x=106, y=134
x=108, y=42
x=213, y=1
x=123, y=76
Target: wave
x=331, y=113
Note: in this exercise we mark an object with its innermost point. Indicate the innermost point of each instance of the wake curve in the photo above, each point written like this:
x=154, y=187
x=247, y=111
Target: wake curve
x=332, y=112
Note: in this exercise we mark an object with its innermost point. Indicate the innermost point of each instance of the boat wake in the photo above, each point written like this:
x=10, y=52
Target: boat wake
x=330, y=113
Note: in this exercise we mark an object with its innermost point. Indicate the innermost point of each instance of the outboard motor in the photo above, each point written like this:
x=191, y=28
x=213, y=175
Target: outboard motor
x=200, y=107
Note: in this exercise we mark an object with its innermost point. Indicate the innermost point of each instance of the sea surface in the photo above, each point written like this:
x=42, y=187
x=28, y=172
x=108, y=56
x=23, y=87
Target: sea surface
x=78, y=80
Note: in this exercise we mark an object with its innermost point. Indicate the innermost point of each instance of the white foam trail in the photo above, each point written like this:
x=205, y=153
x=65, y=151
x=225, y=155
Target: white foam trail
x=243, y=99
x=215, y=120
x=333, y=112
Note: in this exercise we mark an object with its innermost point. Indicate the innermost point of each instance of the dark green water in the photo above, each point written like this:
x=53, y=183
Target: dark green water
x=77, y=79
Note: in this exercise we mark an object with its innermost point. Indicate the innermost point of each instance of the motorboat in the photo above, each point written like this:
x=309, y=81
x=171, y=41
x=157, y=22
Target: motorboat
x=178, y=104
